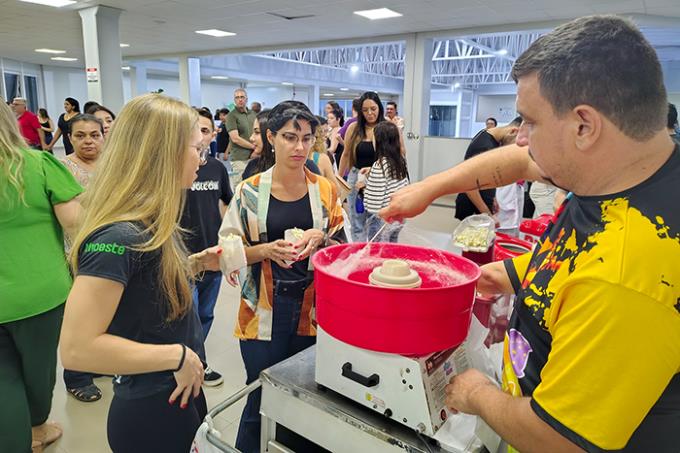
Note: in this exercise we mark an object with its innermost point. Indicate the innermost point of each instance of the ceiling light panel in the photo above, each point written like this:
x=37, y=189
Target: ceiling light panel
x=380, y=13
x=53, y=51
x=54, y=3
x=216, y=33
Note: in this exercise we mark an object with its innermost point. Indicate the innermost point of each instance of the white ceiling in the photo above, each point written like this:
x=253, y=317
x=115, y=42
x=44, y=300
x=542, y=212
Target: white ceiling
x=155, y=27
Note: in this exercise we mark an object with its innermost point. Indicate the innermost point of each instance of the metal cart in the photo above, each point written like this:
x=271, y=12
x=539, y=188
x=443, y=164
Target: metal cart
x=292, y=398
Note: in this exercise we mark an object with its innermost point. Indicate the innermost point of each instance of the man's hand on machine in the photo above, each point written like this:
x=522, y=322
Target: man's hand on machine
x=408, y=202
x=310, y=241
x=462, y=389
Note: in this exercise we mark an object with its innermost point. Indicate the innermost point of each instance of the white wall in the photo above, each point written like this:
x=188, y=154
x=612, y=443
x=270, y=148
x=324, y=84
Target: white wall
x=61, y=83
x=441, y=153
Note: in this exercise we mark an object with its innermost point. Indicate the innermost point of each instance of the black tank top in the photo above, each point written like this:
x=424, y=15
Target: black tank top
x=365, y=155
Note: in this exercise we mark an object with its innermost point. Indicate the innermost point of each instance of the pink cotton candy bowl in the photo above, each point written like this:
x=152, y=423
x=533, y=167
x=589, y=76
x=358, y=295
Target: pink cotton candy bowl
x=409, y=321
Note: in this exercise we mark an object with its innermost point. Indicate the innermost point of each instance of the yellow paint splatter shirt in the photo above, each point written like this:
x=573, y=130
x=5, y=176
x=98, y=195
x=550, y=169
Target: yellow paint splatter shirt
x=595, y=336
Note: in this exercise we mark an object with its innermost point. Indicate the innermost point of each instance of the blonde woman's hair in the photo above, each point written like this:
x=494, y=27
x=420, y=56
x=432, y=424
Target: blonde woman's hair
x=12, y=146
x=319, y=142
x=138, y=179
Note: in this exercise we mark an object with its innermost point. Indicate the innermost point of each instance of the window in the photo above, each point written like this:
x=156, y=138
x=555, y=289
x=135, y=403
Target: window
x=31, y=92
x=28, y=89
x=12, y=88
x=443, y=120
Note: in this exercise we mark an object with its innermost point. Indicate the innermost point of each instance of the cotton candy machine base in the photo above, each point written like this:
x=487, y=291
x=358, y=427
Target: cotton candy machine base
x=393, y=349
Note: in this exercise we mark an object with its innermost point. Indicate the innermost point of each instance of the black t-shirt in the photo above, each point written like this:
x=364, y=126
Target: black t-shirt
x=222, y=138
x=597, y=318
x=252, y=164
x=365, y=155
x=284, y=215
x=108, y=253
x=481, y=142
x=65, y=128
x=201, y=214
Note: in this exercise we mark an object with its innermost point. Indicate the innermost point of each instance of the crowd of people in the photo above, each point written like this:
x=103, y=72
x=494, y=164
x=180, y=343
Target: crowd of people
x=133, y=216
x=128, y=225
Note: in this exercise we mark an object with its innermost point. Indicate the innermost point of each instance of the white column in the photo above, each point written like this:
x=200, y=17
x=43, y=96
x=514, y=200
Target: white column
x=416, y=99
x=101, y=41
x=314, y=99
x=190, y=80
x=138, y=79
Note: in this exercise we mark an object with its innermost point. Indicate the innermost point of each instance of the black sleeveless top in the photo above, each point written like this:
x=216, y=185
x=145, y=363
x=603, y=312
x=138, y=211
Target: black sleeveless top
x=365, y=155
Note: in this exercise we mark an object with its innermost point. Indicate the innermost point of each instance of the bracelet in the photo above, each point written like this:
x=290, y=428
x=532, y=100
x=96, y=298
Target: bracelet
x=181, y=360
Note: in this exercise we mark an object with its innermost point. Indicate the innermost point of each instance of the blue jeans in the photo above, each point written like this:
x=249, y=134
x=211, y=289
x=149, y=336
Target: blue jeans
x=205, y=297
x=357, y=221
x=259, y=355
x=375, y=222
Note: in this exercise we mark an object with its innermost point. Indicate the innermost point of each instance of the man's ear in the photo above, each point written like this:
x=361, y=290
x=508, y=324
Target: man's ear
x=587, y=126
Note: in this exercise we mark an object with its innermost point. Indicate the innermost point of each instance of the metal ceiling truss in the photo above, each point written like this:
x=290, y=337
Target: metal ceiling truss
x=469, y=61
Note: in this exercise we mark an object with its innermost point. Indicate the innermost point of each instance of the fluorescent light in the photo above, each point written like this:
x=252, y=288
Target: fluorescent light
x=287, y=83
x=328, y=94
x=55, y=51
x=380, y=13
x=456, y=85
x=219, y=77
x=125, y=68
x=344, y=89
x=354, y=68
x=55, y=3
x=216, y=33
x=502, y=52
x=63, y=59
x=124, y=45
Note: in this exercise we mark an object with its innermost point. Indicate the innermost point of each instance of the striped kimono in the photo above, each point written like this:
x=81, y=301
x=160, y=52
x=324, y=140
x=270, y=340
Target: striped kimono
x=246, y=217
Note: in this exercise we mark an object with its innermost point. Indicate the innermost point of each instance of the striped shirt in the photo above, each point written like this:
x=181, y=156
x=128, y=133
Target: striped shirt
x=380, y=186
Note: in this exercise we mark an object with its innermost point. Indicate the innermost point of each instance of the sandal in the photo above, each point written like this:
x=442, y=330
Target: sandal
x=88, y=394
x=50, y=432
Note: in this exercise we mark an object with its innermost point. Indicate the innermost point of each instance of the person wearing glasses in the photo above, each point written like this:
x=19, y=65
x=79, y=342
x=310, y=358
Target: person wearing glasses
x=207, y=200
x=239, y=125
x=275, y=319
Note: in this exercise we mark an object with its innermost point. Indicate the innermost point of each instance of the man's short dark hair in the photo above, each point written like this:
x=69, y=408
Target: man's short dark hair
x=86, y=118
x=205, y=113
x=491, y=118
x=223, y=111
x=604, y=62
x=392, y=103
x=672, y=116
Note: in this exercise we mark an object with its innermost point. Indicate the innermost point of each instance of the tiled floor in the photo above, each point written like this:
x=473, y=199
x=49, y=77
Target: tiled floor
x=85, y=423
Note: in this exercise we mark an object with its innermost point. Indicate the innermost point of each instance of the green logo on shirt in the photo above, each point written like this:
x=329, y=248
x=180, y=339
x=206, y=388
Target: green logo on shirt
x=106, y=248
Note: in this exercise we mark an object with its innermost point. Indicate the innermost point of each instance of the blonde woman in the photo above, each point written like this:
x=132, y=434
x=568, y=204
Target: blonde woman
x=318, y=153
x=130, y=312
x=37, y=202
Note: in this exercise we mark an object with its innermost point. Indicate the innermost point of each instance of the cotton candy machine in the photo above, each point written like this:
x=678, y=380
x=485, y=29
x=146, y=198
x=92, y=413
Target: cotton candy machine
x=391, y=319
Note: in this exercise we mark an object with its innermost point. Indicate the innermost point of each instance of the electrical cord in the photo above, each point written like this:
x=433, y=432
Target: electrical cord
x=423, y=439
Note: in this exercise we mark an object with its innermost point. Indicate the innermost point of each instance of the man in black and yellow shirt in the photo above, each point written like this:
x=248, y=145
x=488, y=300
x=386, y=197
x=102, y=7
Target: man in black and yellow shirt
x=592, y=351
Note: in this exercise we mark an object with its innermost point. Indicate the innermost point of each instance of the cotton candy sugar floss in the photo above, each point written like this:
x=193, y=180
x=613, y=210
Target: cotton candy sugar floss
x=233, y=255
x=292, y=235
x=475, y=233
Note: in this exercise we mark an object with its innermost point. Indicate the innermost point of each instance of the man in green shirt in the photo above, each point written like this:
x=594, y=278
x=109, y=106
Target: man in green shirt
x=239, y=124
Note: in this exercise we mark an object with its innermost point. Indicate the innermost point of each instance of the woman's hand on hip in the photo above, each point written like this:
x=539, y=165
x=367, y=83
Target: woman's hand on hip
x=280, y=251
x=189, y=379
x=309, y=243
